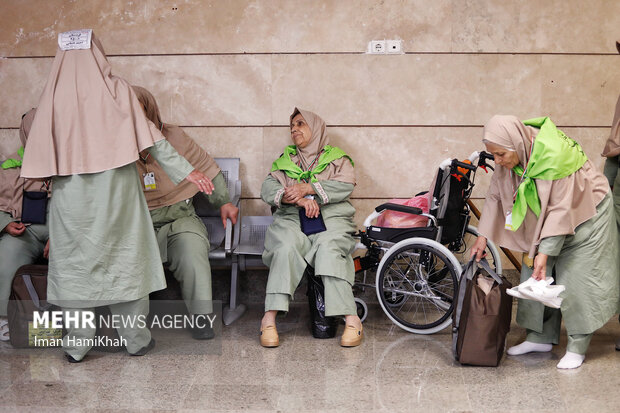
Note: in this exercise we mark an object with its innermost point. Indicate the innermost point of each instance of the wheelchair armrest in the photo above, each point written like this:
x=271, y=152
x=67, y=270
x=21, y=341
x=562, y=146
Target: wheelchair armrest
x=400, y=208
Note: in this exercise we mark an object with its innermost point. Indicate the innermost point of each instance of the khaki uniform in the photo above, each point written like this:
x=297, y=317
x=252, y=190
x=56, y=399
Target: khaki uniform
x=588, y=264
x=288, y=251
x=102, y=247
x=184, y=245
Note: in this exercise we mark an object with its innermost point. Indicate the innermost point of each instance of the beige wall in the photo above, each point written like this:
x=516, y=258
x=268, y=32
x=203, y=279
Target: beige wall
x=232, y=71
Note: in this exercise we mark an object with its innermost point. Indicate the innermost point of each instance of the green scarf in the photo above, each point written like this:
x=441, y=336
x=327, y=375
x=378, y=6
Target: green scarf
x=284, y=163
x=554, y=156
x=14, y=163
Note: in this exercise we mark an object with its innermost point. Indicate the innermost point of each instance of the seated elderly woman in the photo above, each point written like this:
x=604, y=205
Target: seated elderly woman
x=547, y=199
x=20, y=243
x=311, y=179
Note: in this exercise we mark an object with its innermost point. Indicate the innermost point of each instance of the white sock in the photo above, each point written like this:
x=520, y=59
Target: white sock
x=528, y=347
x=571, y=360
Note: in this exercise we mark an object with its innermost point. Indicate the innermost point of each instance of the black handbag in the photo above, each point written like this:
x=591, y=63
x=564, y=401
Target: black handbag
x=311, y=226
x=34, y=206
x=320, y=325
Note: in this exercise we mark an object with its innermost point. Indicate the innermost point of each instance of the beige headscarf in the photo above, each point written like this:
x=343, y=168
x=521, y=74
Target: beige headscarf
x=612, y=146
x=166, y=193
x=565, y=203
x=339, y=170
x=87, y=121
x=11, y=184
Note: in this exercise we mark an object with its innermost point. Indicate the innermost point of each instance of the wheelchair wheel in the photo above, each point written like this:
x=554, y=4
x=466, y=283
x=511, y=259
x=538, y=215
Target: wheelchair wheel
x=463, y=255
x=362, y=309
x=417, y=282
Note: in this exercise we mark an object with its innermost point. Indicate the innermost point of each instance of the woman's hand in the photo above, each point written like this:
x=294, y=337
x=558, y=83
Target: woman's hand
x=15, y=229
x=311, y=207
x=478, y=248
x=540, y=267
x=229, y=211
x=294, y=193
x=201, y=180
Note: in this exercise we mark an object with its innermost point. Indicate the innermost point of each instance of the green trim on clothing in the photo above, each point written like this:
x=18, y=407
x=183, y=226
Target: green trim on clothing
x=14, y=163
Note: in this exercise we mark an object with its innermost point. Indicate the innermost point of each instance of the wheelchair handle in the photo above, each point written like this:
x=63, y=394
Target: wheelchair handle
x=464, y=165
x=485, y=155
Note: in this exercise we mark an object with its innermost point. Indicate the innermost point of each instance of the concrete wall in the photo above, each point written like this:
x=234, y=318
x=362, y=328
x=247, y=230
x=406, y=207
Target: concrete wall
x=231, y=72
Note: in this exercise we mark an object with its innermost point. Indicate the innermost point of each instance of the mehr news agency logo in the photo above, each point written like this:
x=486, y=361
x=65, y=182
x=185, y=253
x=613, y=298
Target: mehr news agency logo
x=59, y=319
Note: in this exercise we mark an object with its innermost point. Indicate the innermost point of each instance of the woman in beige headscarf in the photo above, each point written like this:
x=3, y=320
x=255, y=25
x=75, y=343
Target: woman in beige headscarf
x=612, y=169
x=86, y=135
x=20, y=244
x=547, y=199
x=310, y=178
x=182, y=237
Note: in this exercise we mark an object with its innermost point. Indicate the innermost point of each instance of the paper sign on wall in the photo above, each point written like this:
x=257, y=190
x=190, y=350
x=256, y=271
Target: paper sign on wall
x=75, y=39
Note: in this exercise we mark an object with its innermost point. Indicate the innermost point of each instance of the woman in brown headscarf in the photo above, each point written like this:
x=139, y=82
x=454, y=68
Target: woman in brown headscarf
x=310, y=179
x=182, y=237
x=20, y=244
x=86, y=135
x=612, y=169
x=547, y=199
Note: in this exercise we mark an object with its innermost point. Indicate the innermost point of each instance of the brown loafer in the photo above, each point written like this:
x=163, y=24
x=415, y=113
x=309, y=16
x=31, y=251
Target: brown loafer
x=269, y=337
x=352, y=336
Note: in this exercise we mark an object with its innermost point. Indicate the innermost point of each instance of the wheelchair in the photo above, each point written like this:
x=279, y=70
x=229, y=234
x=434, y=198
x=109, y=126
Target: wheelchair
x=418, y=269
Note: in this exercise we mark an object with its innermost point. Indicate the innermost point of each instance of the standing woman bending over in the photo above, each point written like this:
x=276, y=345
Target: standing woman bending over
x=318, y=179
x=547, y=199
x=86, y=135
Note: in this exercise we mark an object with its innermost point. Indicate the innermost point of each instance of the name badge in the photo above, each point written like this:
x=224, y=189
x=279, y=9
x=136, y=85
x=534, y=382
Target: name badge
x=75, y=39
x=149, y=181
x=508, y=224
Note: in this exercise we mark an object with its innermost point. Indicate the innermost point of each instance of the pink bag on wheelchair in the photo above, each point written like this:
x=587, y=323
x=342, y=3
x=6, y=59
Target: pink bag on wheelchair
x=394, y=219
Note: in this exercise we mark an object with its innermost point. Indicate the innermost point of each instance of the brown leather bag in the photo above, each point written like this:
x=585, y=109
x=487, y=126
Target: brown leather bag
x=481, y=319
x=29, y=294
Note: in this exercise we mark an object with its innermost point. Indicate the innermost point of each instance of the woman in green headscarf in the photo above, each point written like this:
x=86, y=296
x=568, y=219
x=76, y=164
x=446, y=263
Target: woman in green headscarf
x=547, y=199
x=317, y=179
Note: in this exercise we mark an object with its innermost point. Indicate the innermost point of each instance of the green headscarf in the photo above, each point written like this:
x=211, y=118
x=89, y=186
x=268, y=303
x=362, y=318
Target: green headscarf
x=554, y=156
x=285, y=164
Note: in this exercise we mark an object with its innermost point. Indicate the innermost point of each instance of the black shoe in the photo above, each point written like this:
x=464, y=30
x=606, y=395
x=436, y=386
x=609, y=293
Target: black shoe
x=70, y=359
x=145, y=349
x=205, y=332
